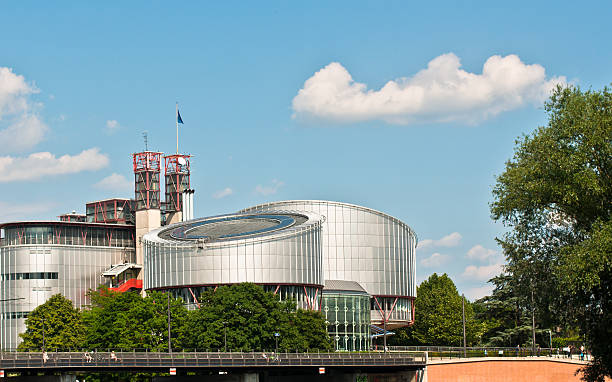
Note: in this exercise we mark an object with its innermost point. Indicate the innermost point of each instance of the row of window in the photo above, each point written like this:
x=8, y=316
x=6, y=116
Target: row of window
x=29, y=276
x=14, y=315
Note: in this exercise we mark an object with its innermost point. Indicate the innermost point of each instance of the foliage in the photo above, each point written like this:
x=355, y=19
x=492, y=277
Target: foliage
x=129, y=321
x=250, y=317
x=438, y=318
x=556, y=196
x=60, y=322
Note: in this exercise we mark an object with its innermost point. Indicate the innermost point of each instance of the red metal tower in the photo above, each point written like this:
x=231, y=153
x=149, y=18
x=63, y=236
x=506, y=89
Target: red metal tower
x=177, y=170
x=146, y=172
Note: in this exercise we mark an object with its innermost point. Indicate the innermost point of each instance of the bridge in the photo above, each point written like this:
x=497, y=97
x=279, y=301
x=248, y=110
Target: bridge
x=433, y=365
x=33, y=362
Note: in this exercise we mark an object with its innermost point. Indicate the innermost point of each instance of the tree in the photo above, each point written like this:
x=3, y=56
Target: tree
x=249, y=317
x=438, y=318
x=129, y=321
x=555, y=195
x=60, y=322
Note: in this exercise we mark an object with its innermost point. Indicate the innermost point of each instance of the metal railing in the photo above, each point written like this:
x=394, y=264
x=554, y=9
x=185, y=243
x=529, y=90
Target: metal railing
x=139, y=360
x=449, y=352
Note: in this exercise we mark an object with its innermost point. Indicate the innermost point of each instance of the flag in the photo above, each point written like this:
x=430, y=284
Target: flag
x=178, y=117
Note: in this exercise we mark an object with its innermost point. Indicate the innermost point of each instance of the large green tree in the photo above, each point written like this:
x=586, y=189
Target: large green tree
x=438, y=321
x=249, y=317
x=58, y=322
x=129, y=321
x=555, y=195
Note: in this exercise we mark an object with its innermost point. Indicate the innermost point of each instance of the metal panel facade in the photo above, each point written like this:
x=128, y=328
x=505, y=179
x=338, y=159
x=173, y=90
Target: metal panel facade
x=366, y=246
x=78, y=269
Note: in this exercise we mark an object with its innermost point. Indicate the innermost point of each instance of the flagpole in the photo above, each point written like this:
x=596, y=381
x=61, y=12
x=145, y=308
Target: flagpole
x=176, y=119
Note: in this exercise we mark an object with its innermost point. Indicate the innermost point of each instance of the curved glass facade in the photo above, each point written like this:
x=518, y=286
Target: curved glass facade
x=366, y=246
x=347, y=315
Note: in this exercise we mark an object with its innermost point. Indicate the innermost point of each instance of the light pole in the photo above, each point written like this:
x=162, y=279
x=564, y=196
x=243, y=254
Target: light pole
x=463, y=310
x=550, y=338
x=169, y=338
x=384, y=326
x=225, y=335
x=43, y=328
x=276, y=335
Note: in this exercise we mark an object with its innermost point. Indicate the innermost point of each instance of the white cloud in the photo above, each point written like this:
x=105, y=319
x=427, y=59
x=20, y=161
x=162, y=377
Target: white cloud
x=442, y=92
x=112, y=124
x=20, y=125
x=269, y=190
x=38, y=165
x=450, y=240
x=482, y=273
x=478, y=252
x=15, y=212
x=435, y=260
x=115, y=182
x=474, y=294
x=223, y=193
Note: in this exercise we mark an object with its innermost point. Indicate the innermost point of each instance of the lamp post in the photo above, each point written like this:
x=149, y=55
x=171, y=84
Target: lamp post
x=43, y=330
x=276, y=335
x=464, y=341
x=225, y=336
x=169, y=338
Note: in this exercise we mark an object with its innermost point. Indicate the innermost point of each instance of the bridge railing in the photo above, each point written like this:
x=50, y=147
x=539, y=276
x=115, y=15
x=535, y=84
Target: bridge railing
x=443, y=352
x=152, y=360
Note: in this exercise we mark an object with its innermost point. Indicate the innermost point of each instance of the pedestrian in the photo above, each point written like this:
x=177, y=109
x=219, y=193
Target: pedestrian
x=582, y=352
x=518, y=349
x=45, y=357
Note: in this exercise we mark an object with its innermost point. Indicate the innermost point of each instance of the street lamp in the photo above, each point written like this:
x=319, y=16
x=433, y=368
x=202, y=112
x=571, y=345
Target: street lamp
x=169, y=338
x=276, y=335
x=225, y=335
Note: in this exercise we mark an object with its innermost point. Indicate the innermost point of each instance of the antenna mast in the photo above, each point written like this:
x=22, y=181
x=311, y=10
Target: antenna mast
x=146, y=140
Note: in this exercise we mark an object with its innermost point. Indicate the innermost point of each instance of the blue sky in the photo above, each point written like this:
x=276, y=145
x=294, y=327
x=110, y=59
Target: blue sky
x=408, y=108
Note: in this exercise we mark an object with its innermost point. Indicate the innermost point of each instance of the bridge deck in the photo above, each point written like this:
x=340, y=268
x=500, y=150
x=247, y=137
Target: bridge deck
x=100, y=361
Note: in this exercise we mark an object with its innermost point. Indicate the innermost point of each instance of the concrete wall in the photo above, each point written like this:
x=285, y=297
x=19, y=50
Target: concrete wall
x=504, y=371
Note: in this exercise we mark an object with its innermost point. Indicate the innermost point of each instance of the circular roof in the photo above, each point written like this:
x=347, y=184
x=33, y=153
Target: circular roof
x=236, y=226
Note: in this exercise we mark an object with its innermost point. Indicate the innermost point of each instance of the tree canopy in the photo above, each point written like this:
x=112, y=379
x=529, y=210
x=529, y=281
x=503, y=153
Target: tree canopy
x=555, y=195
x=250, y=317
x=438, y=318
x=58, y=322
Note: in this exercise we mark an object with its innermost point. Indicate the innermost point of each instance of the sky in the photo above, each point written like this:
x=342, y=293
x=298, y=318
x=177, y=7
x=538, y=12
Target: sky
x=410, y=108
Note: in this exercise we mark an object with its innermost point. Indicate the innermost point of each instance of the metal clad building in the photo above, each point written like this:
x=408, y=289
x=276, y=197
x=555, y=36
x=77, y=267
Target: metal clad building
x=40, y=259
x=279, y=250
x=369, y=247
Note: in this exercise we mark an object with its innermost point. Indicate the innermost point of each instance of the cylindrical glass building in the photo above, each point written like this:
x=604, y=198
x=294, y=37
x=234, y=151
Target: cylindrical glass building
x=280, y=251
x=369, y=247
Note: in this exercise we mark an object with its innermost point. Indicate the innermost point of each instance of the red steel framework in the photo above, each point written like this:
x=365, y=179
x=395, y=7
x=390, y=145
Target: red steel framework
x=120, y=209
x=177, y=170
x=146, y=172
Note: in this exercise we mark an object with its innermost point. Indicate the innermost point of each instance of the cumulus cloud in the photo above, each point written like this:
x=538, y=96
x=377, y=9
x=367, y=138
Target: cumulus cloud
x=442, y=92
x=435, y=260
x=269, y=190
x=115, y=182
x=482, y=273
x=39, y=165
x=475, y=293
x=20, y=125
x=112, y=124
x=450, y=240
x=223, y=193
x=478, y=252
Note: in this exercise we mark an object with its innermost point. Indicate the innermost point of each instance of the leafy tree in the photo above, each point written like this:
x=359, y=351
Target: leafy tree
x=438, y=318
x=556, y=196
x=61, y=323
x=250, y=317
x=129, y=321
